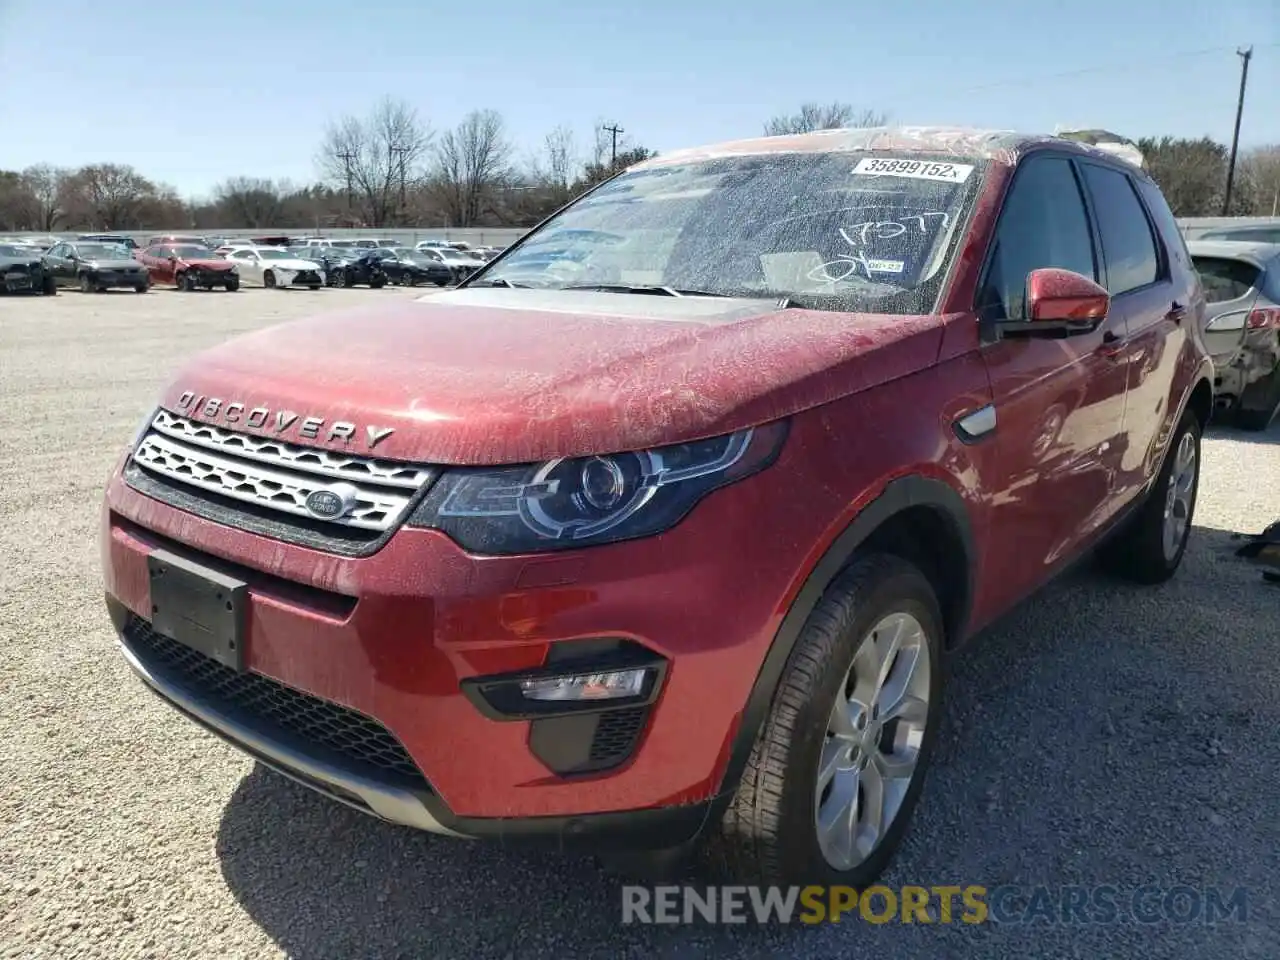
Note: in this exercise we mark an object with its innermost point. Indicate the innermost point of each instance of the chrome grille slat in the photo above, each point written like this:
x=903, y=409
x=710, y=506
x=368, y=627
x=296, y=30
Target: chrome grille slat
x=276, y=476
x=335, y=466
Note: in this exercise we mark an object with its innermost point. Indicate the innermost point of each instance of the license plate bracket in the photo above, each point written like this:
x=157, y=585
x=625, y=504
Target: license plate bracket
x=198, y=607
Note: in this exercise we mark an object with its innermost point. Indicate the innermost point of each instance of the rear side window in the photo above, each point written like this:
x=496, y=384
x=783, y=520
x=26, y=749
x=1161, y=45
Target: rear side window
x=1225, y=279
x=1166, y=223
x=1042, y=224
x=1127, y=244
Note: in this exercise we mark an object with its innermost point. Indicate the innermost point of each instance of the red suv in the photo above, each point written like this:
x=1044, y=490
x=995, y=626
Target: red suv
x=659, y=529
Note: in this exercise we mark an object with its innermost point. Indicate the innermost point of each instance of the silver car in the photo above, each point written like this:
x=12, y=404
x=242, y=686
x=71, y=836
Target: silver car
x=1242, y=325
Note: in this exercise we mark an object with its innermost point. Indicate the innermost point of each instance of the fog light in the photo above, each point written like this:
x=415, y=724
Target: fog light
x=613, y=685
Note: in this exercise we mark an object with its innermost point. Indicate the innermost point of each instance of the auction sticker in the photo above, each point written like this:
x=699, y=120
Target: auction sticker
x=914, y=169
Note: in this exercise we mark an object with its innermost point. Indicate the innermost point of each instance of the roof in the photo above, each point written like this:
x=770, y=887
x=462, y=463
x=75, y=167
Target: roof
x=1258, y=253
x=977, y=143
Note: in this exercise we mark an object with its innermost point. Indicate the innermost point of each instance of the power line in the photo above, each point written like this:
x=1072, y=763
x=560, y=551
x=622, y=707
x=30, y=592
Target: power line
x=1245, y=54
x=1170, y=59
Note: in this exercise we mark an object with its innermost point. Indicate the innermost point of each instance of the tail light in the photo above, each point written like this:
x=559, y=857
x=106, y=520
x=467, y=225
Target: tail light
x=1266, y=318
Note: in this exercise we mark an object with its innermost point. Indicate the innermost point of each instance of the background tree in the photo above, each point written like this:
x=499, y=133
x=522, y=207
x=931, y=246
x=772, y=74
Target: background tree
x=473, y=161
x=1260, y=169
x=833, y=116
x=249, y=201
x=46, y=186
x=107, y=196
x=1192, y=174
x=597, y=171
x=376, y=159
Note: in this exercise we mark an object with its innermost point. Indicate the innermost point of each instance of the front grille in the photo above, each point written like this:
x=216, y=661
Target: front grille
x=363, y=744
x=306, y=276
x=255, y=477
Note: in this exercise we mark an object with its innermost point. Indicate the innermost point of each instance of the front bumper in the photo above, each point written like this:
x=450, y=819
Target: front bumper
x=395, y=635
x=111, y=279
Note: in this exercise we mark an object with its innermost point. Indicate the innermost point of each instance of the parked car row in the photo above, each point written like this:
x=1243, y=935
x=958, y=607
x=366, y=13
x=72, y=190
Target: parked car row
x=100, y=262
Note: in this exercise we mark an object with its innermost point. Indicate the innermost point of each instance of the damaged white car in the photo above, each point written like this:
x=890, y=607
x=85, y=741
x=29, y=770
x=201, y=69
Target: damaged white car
x=275, y=268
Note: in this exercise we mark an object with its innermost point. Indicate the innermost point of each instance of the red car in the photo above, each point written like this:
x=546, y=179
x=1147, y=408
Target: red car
x=659, y=528
x=189, y=267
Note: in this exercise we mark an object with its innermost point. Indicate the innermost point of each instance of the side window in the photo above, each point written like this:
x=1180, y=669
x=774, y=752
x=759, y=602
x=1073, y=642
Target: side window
x=1225, y=279
x=1042, y=224
x=1127, y=244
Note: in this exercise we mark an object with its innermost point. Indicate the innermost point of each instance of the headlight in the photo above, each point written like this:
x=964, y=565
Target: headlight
x=569, y=503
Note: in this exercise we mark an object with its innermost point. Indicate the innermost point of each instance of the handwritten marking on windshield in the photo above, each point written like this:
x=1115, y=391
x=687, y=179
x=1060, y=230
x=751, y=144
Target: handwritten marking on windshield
x=888, y=229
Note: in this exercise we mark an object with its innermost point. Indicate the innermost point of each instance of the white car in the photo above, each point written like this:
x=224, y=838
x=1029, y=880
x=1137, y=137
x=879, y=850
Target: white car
x=275, y=268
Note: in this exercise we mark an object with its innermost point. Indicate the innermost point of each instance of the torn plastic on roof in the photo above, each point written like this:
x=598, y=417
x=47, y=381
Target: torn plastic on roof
x=1106, y=141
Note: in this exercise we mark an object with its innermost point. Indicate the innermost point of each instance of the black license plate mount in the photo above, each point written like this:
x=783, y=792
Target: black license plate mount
x=198, y=607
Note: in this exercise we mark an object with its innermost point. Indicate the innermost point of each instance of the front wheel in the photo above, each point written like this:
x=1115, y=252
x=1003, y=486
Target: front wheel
x=231, y=284
x=268, y=279
x=377, y=283
x=86, y=284
x=1149, y=547
x=49, y=286
x=141, y=288
x=838, y=765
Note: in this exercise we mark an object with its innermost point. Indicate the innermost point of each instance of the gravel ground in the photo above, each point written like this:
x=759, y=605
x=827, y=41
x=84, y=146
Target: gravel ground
x=1100, y=735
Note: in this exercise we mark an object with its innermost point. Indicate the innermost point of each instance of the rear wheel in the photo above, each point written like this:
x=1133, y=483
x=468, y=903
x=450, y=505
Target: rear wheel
x=232, y=284
x=48, y=285
x=141, y=287
x=442, y=283
x=838, y=765
x=1149, y=547
x=377, y=283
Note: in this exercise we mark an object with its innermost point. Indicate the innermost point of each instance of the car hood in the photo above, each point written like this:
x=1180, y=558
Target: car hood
x=31, y=261
x=114, y=263
x=488, y=376
x=290, y=265
x=207, y=263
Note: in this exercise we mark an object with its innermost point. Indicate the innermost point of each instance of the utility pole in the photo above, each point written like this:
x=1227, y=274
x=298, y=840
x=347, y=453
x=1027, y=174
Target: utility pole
x=346, y=159
x=399, y=153
x=614, y=129
x=1245, y=54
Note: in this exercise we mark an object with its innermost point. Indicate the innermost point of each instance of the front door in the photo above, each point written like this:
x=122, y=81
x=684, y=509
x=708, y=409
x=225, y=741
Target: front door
x=1059, y=403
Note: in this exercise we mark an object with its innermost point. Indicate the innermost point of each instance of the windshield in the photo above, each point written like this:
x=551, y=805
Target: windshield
x=276, y=255
x=189, y=250
x=102, y=251
x=8, y=251
x=831, y=231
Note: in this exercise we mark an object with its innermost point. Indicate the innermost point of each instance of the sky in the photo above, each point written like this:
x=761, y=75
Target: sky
x=193, y=93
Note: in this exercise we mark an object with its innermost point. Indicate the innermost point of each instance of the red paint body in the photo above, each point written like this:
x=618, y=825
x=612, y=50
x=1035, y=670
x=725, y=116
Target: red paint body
x=472, y=379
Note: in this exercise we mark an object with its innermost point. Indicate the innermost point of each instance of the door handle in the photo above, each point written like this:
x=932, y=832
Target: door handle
x=1112, y=345
x=1177, y=313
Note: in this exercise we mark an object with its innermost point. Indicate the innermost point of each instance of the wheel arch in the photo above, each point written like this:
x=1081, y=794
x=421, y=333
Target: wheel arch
x=922, y=519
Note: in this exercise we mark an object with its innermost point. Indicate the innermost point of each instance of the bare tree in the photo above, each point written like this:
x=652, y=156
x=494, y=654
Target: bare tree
x=46, y=185
x=553, y=170
x=1191, y=174
x=108, y=196
x=248, y=202
x=1261, y=171
x=832, y=116
x=376, y=159
x=472, y=160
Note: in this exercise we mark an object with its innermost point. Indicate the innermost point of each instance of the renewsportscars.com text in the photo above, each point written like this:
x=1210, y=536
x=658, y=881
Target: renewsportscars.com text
x=967, y=904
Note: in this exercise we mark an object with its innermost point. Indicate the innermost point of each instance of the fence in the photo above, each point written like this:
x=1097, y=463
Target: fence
x=476, y=236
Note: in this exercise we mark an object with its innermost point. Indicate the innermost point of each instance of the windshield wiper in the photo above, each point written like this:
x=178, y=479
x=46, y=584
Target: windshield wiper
x=642, y=288
x=498, y=282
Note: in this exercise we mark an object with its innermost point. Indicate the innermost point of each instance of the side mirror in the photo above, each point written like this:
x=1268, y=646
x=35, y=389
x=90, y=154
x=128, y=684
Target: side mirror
x=1059, y=303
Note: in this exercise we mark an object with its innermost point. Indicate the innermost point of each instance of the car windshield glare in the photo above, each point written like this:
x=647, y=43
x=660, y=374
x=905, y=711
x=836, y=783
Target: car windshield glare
x=101, y=251
x=832, y=231
x=276, y=255
x=189, y=251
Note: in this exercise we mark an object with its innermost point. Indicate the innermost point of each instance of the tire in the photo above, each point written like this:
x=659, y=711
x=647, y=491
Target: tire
x=442, y=283
x=1138, y=550
x=377, y=283
x=269, y=279
x=141, y=288
x=313, y=287
x=231, y=284
x=49, y=285
x=86, y=285
x=180, y=283
x=769, y=833
x=1264, y=400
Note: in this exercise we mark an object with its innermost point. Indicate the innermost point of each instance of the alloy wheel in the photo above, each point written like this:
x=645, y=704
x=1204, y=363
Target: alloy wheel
x=1179, y=495
x=873, y=740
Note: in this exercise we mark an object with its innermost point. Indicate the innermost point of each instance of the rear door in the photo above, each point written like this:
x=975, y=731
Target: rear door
x=1151, y=288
